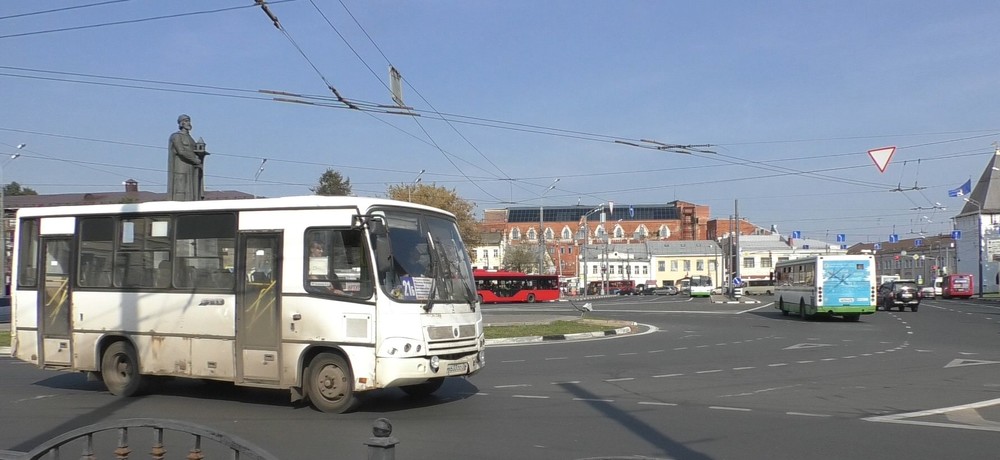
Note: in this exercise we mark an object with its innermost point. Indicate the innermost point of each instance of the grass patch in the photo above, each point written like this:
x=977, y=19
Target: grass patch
x=553, y=328
x=4, y=338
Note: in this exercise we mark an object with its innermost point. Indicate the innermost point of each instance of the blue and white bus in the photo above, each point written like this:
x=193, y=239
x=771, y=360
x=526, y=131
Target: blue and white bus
x=835, y=285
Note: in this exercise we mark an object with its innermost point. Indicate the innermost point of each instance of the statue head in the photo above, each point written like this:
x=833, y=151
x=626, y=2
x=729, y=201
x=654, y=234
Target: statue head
x=182, y=119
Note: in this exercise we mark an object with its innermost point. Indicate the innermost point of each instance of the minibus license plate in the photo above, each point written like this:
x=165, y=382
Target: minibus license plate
x=458, y=368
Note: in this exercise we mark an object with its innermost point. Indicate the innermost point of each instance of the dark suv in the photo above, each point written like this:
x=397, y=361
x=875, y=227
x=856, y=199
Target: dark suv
x=900, y=294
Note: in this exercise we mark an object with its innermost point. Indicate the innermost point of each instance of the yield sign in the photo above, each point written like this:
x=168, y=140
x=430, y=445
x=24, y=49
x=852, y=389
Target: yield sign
x=881, y=157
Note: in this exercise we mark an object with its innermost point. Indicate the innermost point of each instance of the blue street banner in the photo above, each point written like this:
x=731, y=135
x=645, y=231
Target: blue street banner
x=877, y=246
x=894, y=238
x=956, y=234
x=796, y=234
x=841, y=237
x=965, y=189
x=918, y=242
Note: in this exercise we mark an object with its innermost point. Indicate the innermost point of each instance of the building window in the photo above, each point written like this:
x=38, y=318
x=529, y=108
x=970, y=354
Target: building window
x=619, y=233
x=566, y=233
x=661, y=266
x=532, y=235
x=765, y=262
x=687, y=265
x=748, y=262
x=496, y=253
x=645, y=270
x=700, y=265
x=515, y=234
x=664, y=232
x=673, y=265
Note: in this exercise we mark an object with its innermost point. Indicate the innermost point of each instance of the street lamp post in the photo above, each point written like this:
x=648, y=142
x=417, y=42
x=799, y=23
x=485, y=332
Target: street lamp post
x=541, y=227
x=413, y=185
x=585, y=234
x=3, y=223
x=979, y=240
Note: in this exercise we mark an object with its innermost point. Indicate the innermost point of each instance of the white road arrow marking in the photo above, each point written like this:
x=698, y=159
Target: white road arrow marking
x=969, y=362
x=808, y=345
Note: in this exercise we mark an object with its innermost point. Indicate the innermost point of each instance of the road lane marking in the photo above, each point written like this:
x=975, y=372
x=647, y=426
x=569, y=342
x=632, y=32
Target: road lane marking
x=737, y=409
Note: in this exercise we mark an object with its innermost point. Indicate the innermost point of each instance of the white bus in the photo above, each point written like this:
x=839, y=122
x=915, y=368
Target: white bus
x=836, y=285
x=758, y=287
x=324, y=296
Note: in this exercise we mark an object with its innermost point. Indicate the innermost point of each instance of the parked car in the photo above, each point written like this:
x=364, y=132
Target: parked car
x=645, y=290
x=4, y=309
x=626, y=291
x=665, y=290
x=927, y=292
x=899, y=294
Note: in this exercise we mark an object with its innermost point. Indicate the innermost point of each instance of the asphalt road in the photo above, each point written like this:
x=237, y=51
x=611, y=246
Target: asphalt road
x=700, y=380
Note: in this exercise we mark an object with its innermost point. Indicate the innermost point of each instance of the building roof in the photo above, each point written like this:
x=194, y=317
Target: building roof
x=529, y=214
x=928, y=243
x=490, y=238
x=987, y=191
x=757, y=243
x=657, y=248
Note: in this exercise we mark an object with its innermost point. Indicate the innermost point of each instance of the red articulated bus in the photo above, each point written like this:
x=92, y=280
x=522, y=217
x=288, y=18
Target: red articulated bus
x=503, y=286
x=957, y=285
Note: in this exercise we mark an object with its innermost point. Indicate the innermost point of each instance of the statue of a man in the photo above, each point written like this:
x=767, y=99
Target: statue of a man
x=185, y=173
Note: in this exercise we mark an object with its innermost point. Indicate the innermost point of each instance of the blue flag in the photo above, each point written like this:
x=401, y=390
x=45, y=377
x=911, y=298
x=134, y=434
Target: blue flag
x=965, y=189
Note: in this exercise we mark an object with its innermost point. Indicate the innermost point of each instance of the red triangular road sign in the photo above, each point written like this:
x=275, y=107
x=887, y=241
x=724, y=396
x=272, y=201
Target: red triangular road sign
x=881, y=157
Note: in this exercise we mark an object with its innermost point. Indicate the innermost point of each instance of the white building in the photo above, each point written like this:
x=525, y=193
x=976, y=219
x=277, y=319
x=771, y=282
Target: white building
x=978, y=247
x=757, y=254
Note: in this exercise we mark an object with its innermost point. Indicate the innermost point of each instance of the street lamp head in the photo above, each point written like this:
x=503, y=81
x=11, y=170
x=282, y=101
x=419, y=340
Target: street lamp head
x=21, y=146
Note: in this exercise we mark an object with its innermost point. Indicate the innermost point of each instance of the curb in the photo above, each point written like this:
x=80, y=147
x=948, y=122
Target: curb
x=563, y=337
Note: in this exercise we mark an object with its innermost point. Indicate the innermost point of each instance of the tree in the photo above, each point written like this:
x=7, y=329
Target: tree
x=15, y=189
x=332, y=183
x=442, y=198
x=521, y=258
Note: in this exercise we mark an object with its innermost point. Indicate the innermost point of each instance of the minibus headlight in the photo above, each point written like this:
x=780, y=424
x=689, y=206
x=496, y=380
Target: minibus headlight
x=435, y=363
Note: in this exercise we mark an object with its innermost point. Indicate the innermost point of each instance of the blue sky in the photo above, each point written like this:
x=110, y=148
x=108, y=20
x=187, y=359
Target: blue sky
x=789, y=94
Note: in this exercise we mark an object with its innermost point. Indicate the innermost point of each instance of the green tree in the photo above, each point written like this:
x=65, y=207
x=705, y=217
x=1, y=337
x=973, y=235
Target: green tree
x=332, y=183
x=521, y=258
x=441, y=198
x=15, y=189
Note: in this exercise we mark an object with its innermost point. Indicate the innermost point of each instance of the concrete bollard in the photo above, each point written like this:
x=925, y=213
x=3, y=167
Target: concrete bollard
x=382, y=445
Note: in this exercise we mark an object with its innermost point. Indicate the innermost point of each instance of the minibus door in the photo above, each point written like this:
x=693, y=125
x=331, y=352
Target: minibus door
x=54, y=302
x=258, y=308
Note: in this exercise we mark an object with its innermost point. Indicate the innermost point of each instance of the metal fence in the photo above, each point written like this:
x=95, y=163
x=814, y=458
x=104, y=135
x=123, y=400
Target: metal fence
x=179, y=439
